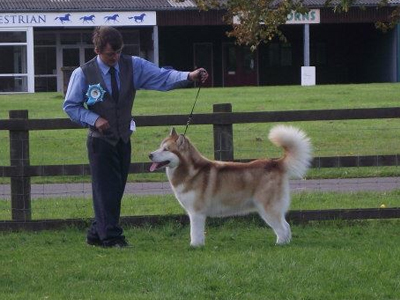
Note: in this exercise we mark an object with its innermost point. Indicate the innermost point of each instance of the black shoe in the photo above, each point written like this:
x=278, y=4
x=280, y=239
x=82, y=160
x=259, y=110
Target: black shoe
x=121, y=243
x=94, y=242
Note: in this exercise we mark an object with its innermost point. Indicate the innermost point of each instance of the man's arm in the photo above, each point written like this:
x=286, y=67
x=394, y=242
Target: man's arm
x=74, y=101
x=149, y=76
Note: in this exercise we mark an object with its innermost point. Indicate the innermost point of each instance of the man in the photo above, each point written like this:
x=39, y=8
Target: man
x=100, y=96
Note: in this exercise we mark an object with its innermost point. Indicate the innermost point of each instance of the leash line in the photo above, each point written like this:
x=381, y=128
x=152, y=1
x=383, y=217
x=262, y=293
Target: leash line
x=194, y=105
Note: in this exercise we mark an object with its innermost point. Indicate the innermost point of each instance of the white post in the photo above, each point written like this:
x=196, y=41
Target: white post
x=307, y=72
x=30, y=60
x=306, y=45
x=156, y=60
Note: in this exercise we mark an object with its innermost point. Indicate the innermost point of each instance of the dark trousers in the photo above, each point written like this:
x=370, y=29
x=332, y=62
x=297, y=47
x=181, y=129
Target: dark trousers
x=109, y=167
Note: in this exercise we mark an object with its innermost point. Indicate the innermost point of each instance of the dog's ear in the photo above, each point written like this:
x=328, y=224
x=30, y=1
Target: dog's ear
x=173, y=132
x=180, y=142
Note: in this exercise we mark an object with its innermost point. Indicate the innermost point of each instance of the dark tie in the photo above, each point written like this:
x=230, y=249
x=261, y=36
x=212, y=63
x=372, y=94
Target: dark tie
x=114, y=85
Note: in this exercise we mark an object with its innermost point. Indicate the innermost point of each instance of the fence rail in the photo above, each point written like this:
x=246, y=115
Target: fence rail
x=20, y=171
x=218, y=117
x=143, y=167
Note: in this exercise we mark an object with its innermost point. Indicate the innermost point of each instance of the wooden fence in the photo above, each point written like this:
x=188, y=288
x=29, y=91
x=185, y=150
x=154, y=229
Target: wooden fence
x=20, y=171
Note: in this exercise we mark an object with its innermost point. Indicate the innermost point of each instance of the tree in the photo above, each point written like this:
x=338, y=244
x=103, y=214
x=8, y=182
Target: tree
x=259, y=21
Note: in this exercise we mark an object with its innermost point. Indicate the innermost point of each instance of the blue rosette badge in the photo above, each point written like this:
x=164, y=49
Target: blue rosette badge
x=95, y=93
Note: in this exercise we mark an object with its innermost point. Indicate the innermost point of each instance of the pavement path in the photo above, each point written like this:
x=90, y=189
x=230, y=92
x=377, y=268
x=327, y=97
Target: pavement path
x=162, y=188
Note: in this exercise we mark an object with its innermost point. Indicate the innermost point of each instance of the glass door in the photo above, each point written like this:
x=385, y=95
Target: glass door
x=240, y=66
x=73, y=57
x=45, y=61
x=89, y=54
x=76, y=56
x=70, y=57
x=70, y=61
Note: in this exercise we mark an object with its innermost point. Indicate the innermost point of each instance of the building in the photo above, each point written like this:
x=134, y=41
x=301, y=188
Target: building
x=42, y=40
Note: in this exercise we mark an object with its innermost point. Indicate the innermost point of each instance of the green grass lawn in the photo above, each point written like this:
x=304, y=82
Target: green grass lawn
x=326, y=260
x=264, y=98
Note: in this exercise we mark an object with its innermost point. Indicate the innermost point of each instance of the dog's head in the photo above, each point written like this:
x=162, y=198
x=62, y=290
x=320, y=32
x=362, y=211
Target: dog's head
x=169, y=152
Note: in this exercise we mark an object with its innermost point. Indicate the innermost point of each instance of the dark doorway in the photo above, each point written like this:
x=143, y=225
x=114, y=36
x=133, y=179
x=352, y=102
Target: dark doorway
x=240, y=66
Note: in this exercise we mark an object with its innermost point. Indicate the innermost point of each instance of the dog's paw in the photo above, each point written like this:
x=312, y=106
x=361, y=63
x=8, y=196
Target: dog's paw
x=283, y=241
x=196, y=244
x=285, y=236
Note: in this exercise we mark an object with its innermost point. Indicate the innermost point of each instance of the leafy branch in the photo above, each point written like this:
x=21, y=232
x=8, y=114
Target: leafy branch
x=259, y=21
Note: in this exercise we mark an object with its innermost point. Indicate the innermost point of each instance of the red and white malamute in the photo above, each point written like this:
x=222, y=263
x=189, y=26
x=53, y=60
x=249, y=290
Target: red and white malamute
x=214, y=188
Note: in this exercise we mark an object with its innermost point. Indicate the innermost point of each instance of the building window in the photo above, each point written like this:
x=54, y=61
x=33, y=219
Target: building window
x=273, y=54
x=286, y=55
x=249, y=60
x=131, y=42
x=280, y=55
x=45, y=38
x=230, y=59
x=45, y=69
x=16, y=63
x=45, y=61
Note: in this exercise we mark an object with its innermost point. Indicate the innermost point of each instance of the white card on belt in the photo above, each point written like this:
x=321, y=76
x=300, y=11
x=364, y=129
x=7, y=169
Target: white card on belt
x=133, y=126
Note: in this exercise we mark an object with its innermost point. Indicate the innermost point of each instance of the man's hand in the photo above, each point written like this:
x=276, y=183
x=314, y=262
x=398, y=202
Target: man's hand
x=101, y=124
x=199, y=74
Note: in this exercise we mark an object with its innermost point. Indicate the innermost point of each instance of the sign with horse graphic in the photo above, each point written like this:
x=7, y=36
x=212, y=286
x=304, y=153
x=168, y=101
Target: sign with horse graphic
x=78, y=19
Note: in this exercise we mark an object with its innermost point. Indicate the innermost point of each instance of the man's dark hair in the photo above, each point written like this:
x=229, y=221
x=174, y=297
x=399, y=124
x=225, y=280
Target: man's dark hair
x=104, y=35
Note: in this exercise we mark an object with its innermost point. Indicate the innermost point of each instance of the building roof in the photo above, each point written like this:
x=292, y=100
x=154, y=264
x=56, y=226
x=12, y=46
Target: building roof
x=322, y=3
x=12, y=6
x=92, y=5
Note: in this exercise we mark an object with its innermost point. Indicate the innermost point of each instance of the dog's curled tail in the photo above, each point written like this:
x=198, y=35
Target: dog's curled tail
x=297, y=146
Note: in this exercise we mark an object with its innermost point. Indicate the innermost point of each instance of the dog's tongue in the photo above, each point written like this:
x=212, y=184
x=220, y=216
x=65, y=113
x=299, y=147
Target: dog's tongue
x=153, y=166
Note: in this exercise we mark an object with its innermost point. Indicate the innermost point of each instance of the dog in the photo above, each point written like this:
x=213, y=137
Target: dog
x=207, y=188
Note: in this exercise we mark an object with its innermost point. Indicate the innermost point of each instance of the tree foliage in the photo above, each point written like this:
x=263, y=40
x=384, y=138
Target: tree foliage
x=259, y=21
x=256, y=21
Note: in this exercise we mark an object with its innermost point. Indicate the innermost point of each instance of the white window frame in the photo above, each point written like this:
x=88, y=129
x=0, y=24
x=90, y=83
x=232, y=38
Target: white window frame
x=30, y=67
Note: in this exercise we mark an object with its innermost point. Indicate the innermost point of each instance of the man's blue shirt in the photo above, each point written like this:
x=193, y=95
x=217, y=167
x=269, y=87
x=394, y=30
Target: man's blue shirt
x=146, y=76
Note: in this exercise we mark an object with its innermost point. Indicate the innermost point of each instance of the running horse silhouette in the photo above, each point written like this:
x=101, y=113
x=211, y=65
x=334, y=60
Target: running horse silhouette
x=112, y=18
x=138, y=19
x=64, y=19
x=86, y=19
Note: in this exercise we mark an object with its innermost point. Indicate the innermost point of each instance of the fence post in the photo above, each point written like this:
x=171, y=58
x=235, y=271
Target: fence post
x=19, y=158
x=223, y=135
